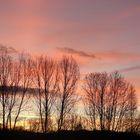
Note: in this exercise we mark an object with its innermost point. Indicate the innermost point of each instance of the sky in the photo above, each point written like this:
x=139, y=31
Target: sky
x=102, y=35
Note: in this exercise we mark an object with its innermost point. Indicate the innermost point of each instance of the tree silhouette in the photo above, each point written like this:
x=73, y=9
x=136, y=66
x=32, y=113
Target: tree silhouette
x=109, y=100
x=69, y=75
x=46, y=82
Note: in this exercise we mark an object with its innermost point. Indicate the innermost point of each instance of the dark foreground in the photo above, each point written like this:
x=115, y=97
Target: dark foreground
x=68, y=135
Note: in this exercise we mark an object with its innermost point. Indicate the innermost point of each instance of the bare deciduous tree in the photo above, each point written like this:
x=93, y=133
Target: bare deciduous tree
x=95, y=88
x=69, y=75
x=46, y=84
x=14, y=83
x=5, y=70
x=109, y=100
x=25, y=65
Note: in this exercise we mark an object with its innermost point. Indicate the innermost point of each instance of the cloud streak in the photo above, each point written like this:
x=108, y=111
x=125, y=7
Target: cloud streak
x=130, y=69
x=77, y=52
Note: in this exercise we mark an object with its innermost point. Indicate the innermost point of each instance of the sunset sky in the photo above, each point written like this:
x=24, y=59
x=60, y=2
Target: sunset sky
x=103, y=35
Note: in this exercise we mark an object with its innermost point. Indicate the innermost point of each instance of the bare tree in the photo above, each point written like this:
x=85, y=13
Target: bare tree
x=131, y=115
x=133, y=105
x=69, y=75
x=5, y=70
x=95, y=88
x=34, y=125
x=109, y=100
x=75, y=122
x=25, y=65
x=122, y=102
x=14, y=82
x=13, y=89
x=46, y=84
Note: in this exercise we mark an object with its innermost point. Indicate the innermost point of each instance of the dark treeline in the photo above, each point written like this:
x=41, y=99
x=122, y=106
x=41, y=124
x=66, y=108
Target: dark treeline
x=109, y=101
x=69, y=135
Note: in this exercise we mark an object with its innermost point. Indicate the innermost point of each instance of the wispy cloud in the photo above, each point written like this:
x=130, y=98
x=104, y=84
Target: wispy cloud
x=9, y=49
x=130, y=69
x=77, y=52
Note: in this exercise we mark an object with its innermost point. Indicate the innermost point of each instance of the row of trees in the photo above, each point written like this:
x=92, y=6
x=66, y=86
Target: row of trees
x=109, y=100
x=55, y=84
